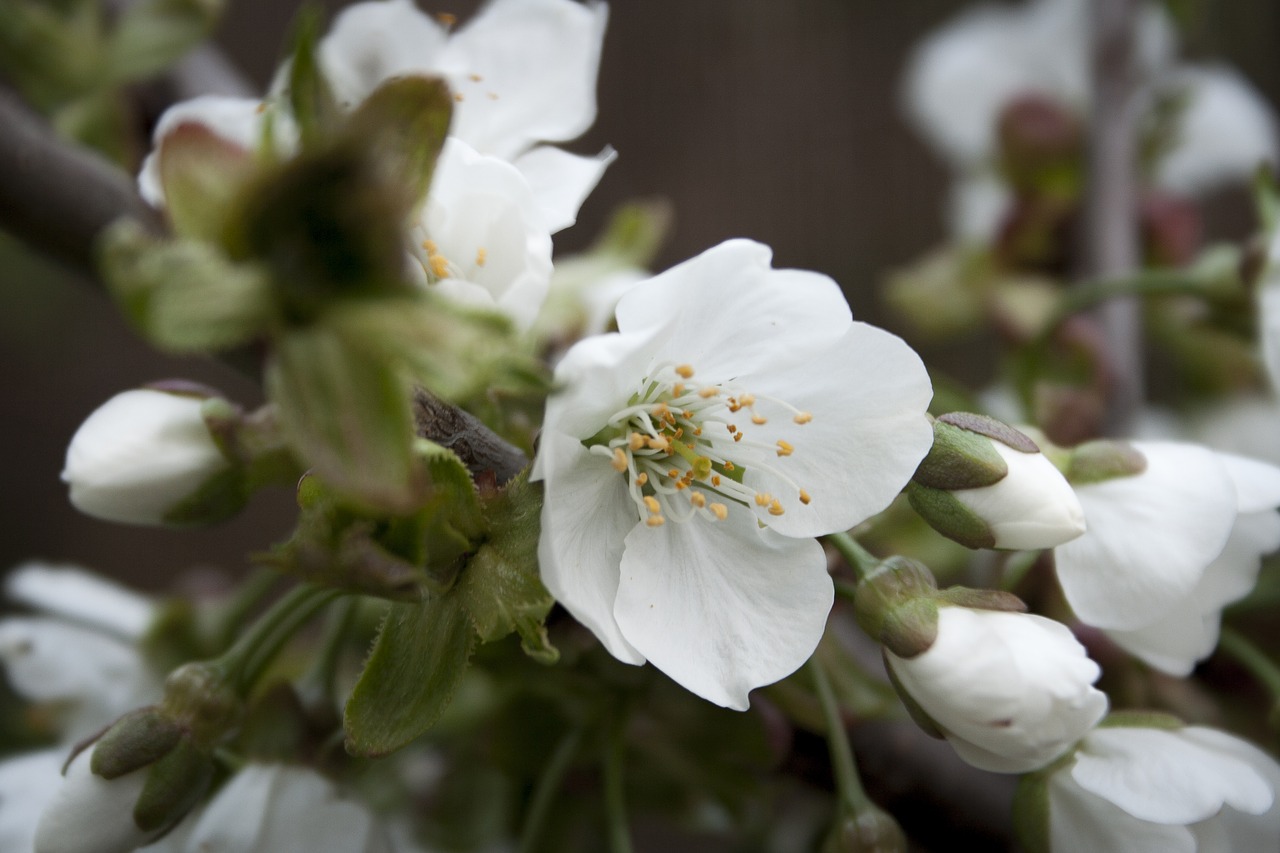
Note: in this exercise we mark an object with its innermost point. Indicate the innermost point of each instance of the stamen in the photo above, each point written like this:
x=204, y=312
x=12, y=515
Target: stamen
x=804, y=497
x=619, y=460
x=708, y=392
x=636, y=441
x=643, y=478
x=481, y=256
x=763, y=498
x=720, y=511
x=655, y=521
x=775, y=507
x=803, y=418
x=785, y=448
x=759, y=420
x=651, y=504
x=698, y=499
x=685, y=371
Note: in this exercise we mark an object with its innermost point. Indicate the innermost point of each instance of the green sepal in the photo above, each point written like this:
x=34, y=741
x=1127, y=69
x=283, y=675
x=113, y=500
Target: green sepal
x=346, y=413
x=960, y=458
x=139, y=738
x=174, y=785
x=982, y=599
x=151, y=34
x=1104, y=459
x=1031, y=812
x=1266, y=197
x=216, y=499
x=403, y=124
x=452, y=519
x=201, y=173
x=182, y=295
x=918, y=715
x=420, y=656
x=501, y=587
x=870, y=830
x=311, y=101
x=946, y=514
x=895, y=604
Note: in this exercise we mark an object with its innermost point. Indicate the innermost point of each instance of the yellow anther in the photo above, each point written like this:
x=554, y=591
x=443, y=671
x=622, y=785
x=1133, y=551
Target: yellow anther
x=804, y=497
x=673, y=473
x=775, y=507
x=655, y=521
x=474, y=78
x=686, y=414
x=759, y=420
x=643, y=478
x=785, y=448
x=619, y=460
x=439, y=266
x=708, y=392
x=651, y=504
x=698, y=499
x=677, y=390
x=747, y=399
x=729, y=466
x=447, y=18
x=697, y=431
x=659, y=443
x=715, y=479
x=430, y=246
x=763, y=498
x=481, y=256
x=732, y=428
x=493, y=96
x=636, y=441
x=458, y=96
x=681, y=485
x=803, y=418
x=685, y=371
x=720, y=511
x=737, y=436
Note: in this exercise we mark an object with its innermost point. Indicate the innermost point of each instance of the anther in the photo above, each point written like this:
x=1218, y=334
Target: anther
x=655, y=521
x=481, y=256
x=685, y=371
x=785, y=448
x=698, y=499
x=763, y=498
x=737, y=436
x=803, y=418
x=619, y=460
x=759, y=420
x=651, y=504
x=775, y=507
x=708, y=392
x=643, y=477
x=447, y=18
x=804, y=497
x=636, y=441
x=720, y=511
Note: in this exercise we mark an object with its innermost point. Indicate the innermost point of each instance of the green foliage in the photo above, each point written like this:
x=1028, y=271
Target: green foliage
x=151, y=34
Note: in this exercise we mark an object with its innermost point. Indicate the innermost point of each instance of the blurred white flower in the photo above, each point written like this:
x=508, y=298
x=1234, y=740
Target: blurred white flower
x=140, y=456
x=1009, y=691
x=1186, y=790
x=1168, y=548
x=691, y=457
x=90, y=814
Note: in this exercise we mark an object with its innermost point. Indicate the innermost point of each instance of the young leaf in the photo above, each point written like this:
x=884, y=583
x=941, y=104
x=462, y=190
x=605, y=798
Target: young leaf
x=310, y=98
x=201, y=173
x=151, y=34
x=403, y=124
x=420, y=656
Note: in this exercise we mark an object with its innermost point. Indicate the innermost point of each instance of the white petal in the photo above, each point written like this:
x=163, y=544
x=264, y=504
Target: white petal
x=71, y=592
x=1175, y=642
x=867, y=436
x=27, y=783
x=774, y=318
x=586, y=516
x=595, y=378
x=1244, y=425
x=1081, y=821
x=723, y=607
x=526, y=72
x=562, y=181
x=89, y=814
x=1257, y=483
x=369, y=43
x=1032, y=507
x=235, y=817
x=1168, y=776
x=1245, y=831
x=1226, y=131
x=977, y=207
x=1150, y=537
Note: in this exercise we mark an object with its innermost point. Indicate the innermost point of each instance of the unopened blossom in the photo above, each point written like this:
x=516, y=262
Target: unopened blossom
x=141, y=455
x=1171, y=790
x=89, y=814
x=1009, y=691
x=1167, y=548
x=691, y=457
x=1032, y=507
x=963, y=77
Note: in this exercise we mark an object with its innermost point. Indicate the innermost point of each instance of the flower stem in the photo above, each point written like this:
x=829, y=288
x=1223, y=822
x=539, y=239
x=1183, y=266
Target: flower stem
x=245, y=599
x=325, y=667
x=848, y=784
x=245, y=661
x=859, y=559
x=1252, y=658
x=615, y=802
x=548, y=784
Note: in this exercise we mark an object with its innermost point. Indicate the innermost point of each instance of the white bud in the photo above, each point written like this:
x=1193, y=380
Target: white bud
x=140, y=455
x=1010, y=691
x=89, y=814
x=1032, y=507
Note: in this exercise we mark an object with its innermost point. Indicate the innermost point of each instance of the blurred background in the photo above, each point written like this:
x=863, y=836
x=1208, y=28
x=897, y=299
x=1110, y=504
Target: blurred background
x=775, y=121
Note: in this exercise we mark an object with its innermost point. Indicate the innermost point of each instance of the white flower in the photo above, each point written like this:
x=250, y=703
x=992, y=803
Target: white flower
x=27, y=783
x=271, y=808
x=1269, y=311
x=1032, y=507
x=90, y=814
x=691, y=457
x=1009, y=691
x=1147, y=790
x=1168, y=548
x=140, y=455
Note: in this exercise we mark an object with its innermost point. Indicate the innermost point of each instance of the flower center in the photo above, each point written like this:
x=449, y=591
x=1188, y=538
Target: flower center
x=683, y=447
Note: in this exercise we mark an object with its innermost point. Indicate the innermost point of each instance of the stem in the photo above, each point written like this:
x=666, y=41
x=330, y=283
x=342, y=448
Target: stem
x=848, y=784
x=245, y=661
x=548, y=785
x=1252, y=658
x=245, y=599
x=325, y=667
x=615, y=801
x=859, y=559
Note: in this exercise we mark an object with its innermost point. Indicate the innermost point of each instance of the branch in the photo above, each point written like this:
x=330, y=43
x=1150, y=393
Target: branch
x=1111, y=246
x=480, y=449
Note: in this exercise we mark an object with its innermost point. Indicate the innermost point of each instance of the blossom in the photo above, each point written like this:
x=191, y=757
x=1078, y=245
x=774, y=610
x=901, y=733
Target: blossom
x=691, y=456
x=1032, y=507
x=1009, y=691
x=1169, y=547
x=89, y=814
x=140, y=456
x=1169, y=790
x=962, y=78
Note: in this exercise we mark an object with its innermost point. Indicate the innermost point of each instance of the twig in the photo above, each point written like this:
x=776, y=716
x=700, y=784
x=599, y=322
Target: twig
x=1111, y=247
x=481, y=449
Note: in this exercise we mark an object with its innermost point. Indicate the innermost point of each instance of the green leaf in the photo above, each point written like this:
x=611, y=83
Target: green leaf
x=346, y=413
x=419, y=658
x=403, y=124
x=201, y=173
x=501, y=587
x=182, y=295
x=453, y=519
x=151, y=34
x=314, y=109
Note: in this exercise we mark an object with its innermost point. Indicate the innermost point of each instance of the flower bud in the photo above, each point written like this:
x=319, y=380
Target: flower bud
x=1010, y=691
x=986, y=485
x=90, y=814
x=869, y=831
x=142, y=456
x=1040, y=144
x=895, y=604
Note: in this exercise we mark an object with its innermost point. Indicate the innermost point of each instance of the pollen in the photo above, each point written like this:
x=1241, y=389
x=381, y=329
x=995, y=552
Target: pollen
x=747, y=400
x=785, y=448
x=659, y=443
x=737, y=436
x=759, y=420
x=655, y=521
x=698, y=499
x=677, y=390
x=775, y=507
x=430, y=246
x=619, y=461
x=673, y=473
x=708, y=392
x=803, y=418
x=481, y=256
x=447, y=18
x=651, y=504
x=729, y=466
x=439, y=266
x=643, y=478
x=732, y=428
x=804, y=497
x=715, y=479
x=474, y=78
x=763, y=498
x=636, y=441
x=685, y=371
x=720, y=511
x=459, y=97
